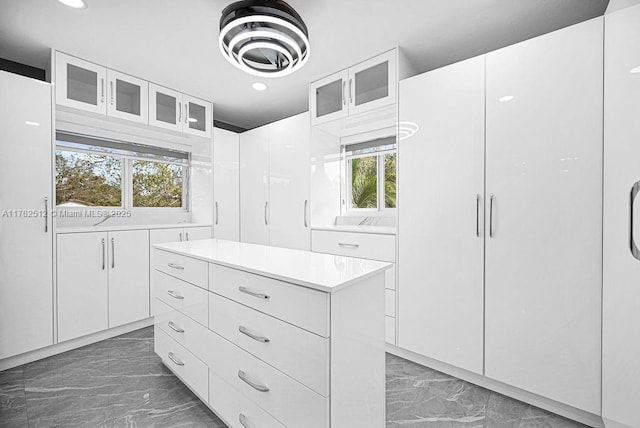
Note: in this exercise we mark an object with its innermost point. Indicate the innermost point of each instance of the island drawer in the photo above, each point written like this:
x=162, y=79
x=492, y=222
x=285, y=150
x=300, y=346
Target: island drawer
x=182, y=329
x=187, y=366
x=285, y=399
x=190, y=300
x=362, y=245
x=296, y=352
x=185, y=268
x=300, y=306
x=234, y=407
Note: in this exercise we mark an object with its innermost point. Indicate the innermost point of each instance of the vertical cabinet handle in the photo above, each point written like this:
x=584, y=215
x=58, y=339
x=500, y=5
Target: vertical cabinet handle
x=217, y=214
x=491, y=215
x=344, y=97
x=113, y=253
x=243, y=421
x=186, y=234
x=46, y=215
x=102, y=91
x=350, y=91
x=266, y=220
x=179, y=113
x=632, y=243
x=186, y=113
x=477, y=215
x=103, y=255
x=111, y=89
x=180, y=236
x=306, y=203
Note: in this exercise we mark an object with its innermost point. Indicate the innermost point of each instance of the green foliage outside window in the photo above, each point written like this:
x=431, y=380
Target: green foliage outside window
x=364, y=181
x=157, y=184
x=88, y=179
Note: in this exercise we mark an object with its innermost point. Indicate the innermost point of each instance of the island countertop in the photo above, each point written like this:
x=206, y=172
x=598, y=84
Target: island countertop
x=323, y=272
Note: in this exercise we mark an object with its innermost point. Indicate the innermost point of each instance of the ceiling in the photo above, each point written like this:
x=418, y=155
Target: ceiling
x=174, y=42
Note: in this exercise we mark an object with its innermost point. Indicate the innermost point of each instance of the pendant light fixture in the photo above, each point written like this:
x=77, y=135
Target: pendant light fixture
x=265, y=38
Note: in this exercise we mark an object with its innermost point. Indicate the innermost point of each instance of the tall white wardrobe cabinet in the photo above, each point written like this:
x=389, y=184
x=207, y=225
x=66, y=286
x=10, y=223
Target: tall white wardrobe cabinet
x=226, y=185
x=621, y=294
x=26, y=236
x=500, y=249
x=275, y=184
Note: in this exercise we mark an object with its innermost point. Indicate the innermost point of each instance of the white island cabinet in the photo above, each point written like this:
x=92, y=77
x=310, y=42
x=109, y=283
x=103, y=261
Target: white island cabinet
x=272, y=337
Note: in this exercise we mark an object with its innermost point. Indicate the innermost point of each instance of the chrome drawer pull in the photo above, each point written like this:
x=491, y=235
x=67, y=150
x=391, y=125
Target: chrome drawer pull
x=174, y=295
x=253, y=293
x=243, y=421
x=346, y=244
x=242, y=329
x=175, y=360
x=175, y=266
x=175, y=328
x=243, y=377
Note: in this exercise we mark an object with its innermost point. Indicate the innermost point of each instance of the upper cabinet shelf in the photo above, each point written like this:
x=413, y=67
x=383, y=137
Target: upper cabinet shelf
x=90, y=87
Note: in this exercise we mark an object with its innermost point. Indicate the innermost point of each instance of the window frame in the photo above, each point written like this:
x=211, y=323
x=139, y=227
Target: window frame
x=381, y=208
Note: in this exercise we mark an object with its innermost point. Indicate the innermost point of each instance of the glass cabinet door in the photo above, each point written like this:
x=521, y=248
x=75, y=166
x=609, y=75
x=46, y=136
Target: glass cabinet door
x=80, y=84
x=165, y=108
x=372, y=84
x=328, y=98
x=197, y=116
x=127, y=97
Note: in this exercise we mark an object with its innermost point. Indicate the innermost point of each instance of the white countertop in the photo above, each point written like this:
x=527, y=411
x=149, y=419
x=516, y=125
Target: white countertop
x=381, y=230
x=321, y=272
x=106, y=227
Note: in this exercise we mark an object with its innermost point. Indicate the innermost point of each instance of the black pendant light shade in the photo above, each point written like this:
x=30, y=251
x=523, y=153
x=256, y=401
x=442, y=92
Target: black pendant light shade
x=265, y=38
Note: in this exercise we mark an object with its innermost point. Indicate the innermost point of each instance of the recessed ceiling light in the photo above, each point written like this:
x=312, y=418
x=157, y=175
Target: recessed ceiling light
x=635, y=70
x=258, y=86
x=76, y=4
x=506, y=98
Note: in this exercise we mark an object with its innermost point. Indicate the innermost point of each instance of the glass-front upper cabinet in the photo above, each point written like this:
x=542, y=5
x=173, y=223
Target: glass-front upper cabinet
x=329, y=98
x=81, y=84
x=165, y=108
x=373, y=83
x=127, y=97
x=197, y=116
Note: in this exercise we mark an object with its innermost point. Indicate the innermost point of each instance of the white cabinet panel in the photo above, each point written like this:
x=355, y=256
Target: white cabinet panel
x=254, y=186
x=165, y=108
x=82, y=284
x=128, y=266
x=197, y=116
x=226, y=185
x=440, y=222
x=289, y=177
x=621, y=294
x=195, y=233
x=373, y=83
x=127, y=97
x=26, y=293
x=544, y=245
x=80, y=84
x=351, y=244
x=328, y=98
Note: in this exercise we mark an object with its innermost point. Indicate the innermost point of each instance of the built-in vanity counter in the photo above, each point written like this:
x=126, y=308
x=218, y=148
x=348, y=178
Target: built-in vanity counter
x=272, y=337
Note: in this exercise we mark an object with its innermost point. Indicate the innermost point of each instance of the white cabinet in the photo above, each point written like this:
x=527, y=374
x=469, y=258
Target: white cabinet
x=254, y=186
x=226, y=185
x=127, y=97
x=83, y=295
x=198, y=116
x=441, y=227
x=80, y=84
x=128, y=272
x=544, y=215
x=361, y=88
x=165, y=108
x=195, y=233
x=26, y=293
x=621, y=271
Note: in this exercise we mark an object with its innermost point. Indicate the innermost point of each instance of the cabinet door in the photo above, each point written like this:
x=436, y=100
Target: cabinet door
x=197, y=116
x=289, y=181
x=195, y=233
x=82, y=284
x=26, y=242
x=621, y=294
x=165, y=108
x=254, y=186
x=441, y=230
x=328, y=98
x=128, y=267
x=160, y=236
x=544, y=245
x=373, y=83
x=80, y=84
x=127, y=97
x=226, y=185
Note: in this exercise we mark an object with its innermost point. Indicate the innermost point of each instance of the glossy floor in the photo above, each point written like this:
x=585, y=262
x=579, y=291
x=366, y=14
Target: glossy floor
x=120, y=382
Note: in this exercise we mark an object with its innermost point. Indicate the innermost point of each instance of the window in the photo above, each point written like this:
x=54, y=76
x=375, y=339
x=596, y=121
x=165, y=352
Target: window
x=371, y=174
x=92, y=172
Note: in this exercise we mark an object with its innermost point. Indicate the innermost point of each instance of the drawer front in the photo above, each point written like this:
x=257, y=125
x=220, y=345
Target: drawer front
x=182, y=329
x=390, y=330
x=390, y=303
x=288, y=401
x=298, y=353
x=185, y=268
x=361, y=245
x=187, y=366
x=296, y=305
x=390, y=278
x=234, y=407
x=190, y=300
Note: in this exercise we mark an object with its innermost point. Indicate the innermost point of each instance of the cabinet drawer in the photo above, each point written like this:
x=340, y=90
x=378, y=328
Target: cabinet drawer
x=186, y=268
x=390, y=330
x=298, y=353
x=234, y=407
x=190, y=300
x=187, y=366
x=296, y=305
x=182, y=329
x=282, y=397
x=390, y=303
x=361, y=245
x=390, y=278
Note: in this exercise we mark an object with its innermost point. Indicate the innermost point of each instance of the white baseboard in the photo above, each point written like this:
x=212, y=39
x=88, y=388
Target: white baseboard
x=510, y=391
x=58, y=348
